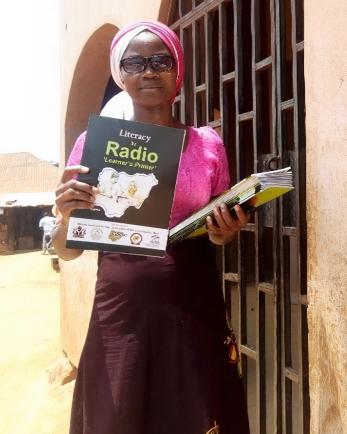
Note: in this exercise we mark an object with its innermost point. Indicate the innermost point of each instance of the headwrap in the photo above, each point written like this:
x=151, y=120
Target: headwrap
x=127, y=34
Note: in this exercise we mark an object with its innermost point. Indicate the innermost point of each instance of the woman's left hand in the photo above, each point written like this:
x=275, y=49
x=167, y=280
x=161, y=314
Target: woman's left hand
x=225, y=227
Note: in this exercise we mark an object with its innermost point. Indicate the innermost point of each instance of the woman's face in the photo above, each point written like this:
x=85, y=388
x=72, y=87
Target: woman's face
x=149, y=88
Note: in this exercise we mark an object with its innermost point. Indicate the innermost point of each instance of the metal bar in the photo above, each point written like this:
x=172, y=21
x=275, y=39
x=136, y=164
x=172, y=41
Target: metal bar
x=263, y=64
x=248, y=351
x=297, y=170
x=237, y=152
x=281, y=413
x=300, y=46
x=274, y=145
x=302, y=215
x=289, y=231
x=225, y=52
x=194, y=72
x=228, y=77
x=266, y=287
x=221, y=107
x=183, y=91
x=301, y=148
x=215, y=124
x=293, y=375
x=208, y=64
x=246, y=116
x=197, y=13
x=200, y=6
x=220, y=51
x=190, y=101
x=232, y=277
x=260, y=308
x=237, y=82
x=277, y=405
x=250, y=227
x=287, y=105
x=200, y=88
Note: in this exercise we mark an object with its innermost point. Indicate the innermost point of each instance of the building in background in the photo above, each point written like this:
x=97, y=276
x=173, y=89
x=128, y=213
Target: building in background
x=27, y=186
x=271, y=77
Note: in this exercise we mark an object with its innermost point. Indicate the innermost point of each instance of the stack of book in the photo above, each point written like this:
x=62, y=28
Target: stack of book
x=250, y=193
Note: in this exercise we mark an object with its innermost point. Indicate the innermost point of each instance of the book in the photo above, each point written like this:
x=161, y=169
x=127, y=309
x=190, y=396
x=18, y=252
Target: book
x=134, y=166
x=250, y=193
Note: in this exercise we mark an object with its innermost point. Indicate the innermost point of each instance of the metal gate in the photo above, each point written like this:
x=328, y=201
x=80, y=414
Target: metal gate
x=245, y=78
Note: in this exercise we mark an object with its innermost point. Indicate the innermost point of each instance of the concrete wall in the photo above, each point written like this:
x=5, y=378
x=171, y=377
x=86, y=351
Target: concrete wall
x=326, y=110
x=76, y=300
x=87, y=28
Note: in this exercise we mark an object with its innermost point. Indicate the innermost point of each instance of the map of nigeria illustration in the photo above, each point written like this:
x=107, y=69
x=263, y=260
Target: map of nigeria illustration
x=119, y=190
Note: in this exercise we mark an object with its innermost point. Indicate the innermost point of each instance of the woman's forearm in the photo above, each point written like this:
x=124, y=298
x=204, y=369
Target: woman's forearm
x=59, y=234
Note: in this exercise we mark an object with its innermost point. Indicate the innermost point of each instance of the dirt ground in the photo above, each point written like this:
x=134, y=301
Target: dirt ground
x=29, y=347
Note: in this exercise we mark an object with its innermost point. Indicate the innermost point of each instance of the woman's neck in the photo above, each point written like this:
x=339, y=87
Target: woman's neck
x=158, y=115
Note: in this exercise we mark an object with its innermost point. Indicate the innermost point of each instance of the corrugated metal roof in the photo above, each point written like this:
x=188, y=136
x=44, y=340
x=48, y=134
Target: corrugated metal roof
x=26, y=199
x=22, y=172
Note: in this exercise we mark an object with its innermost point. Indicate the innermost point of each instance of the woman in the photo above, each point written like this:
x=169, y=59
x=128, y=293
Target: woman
x=155, y=359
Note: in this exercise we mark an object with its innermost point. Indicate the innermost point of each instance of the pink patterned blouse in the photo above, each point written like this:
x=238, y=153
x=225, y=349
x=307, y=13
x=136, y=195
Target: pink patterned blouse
x=202, y=174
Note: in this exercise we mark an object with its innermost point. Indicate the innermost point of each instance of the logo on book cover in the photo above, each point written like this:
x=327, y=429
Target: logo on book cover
x=136, y=238
x=78, y=232
x=118, y=190
x=155, y=240
x=115, y=235
x=96, y=234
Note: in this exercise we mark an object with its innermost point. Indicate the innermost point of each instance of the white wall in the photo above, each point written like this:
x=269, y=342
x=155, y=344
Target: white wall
x=326, y=127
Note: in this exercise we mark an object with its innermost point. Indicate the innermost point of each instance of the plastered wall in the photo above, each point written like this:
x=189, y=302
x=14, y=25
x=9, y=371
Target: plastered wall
x=326, y=127
x=81, y=20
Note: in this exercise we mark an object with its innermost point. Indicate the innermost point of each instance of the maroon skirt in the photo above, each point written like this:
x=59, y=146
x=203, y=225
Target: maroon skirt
x=154, y=360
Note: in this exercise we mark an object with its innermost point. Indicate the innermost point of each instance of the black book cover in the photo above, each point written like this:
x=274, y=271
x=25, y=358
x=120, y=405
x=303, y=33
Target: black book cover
x=134, y=165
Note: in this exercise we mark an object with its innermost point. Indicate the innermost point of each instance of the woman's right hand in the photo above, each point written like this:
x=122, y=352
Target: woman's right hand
x=72, y=194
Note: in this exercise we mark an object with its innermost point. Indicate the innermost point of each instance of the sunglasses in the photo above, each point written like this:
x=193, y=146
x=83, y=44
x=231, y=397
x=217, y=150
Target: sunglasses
x=157, y=62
